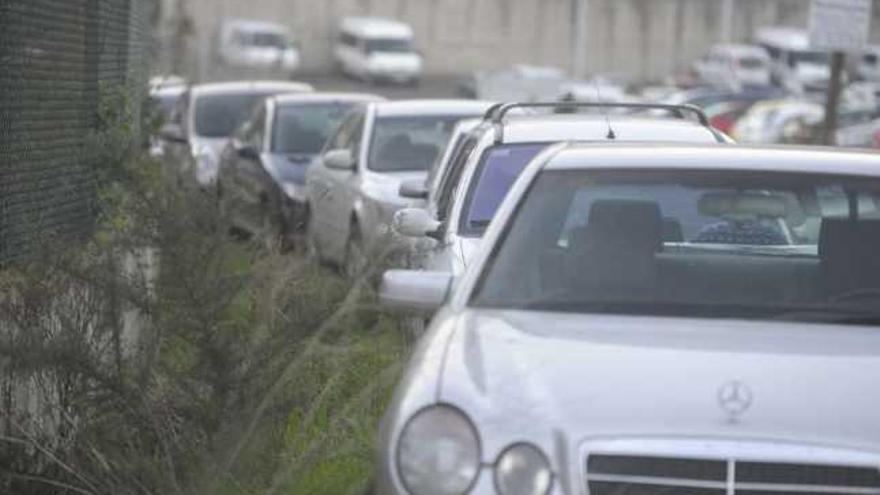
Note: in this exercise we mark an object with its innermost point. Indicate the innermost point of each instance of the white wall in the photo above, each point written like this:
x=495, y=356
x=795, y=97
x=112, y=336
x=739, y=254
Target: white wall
x=641, y=38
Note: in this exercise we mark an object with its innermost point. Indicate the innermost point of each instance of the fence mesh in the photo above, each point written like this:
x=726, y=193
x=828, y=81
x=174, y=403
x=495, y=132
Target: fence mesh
x=57, y=60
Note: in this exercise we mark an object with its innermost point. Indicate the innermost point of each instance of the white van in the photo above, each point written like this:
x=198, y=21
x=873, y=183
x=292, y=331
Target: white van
x=257, y=45
x=794, y=65
x=378, y=49
x=734, y=67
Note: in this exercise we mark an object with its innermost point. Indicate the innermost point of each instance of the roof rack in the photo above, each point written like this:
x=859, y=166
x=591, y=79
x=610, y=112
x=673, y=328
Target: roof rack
x=497, y=112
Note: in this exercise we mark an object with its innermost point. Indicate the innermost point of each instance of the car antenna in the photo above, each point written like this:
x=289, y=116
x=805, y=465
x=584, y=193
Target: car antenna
x=611, y=133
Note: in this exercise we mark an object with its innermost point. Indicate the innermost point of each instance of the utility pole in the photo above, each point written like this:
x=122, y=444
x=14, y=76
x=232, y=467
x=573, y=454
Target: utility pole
x=829, y=132
x=727, y=21
x=578, y=38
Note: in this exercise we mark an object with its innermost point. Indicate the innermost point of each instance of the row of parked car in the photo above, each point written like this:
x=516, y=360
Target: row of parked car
x=621, y=299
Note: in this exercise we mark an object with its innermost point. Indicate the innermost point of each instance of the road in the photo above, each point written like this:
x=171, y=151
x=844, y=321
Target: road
x=431, y=87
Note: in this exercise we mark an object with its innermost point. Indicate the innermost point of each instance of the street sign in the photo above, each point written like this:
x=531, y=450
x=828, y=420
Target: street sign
x=839, y=25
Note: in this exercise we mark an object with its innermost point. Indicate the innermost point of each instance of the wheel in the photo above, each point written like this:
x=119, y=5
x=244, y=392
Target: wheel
x=355, y=264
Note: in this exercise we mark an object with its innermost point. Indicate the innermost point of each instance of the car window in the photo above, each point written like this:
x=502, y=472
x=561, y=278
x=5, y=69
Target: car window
x=409, y=143
x=452, y=175
x=751, y=63
x=217, y=116
x=701, y=243
x=498, y=170
x=389, y=45
x=303, y=129
x=348, y=132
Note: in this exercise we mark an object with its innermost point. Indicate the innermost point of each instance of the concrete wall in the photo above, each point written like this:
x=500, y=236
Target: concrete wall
x=646, y=39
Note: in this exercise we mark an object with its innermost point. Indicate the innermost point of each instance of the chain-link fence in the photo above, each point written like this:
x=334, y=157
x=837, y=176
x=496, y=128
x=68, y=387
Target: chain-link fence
x=58, y=59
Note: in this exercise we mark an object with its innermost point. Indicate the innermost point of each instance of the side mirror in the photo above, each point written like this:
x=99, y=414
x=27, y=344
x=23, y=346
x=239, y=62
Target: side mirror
x=415, y=222
x=339, y=160
x=172, y=133
x=414, y=291
x=248, y=152
x=413, y=189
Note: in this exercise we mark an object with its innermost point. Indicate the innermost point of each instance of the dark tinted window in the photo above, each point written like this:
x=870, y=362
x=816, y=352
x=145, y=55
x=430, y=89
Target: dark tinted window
x=498, y=170
x=409, y=143
x=699, y=243
x=389, y=45
x=305, y=128
x=217, y=116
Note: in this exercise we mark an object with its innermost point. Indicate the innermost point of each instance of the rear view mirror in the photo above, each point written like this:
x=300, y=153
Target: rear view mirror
x=172, y=133
x=413, y=189
x=414, y=291
x=415, y=222
x=339, y=160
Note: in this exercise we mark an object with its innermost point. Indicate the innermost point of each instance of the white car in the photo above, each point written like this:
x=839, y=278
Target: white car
x=734, y=67
x=375, y=49
x=257, y=45
x=205, y=117
x=584, y=354
x=794, y=65
x=353, y=187
x=474, y=180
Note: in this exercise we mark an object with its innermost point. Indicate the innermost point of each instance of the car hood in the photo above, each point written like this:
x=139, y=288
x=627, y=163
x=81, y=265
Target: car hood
x=534, y=376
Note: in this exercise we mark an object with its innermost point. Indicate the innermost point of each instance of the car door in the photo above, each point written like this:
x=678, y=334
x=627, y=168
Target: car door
x=323, y=187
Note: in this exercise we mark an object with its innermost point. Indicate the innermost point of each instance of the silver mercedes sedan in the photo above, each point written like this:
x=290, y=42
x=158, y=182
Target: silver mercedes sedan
x=652, y=319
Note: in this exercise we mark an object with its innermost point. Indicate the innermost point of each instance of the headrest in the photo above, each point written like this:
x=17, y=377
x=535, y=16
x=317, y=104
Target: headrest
x=726, y=205
x=626, y=224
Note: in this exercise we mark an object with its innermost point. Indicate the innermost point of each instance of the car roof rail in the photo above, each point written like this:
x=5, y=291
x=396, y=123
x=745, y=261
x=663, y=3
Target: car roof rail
x=491, y=111
x=496, y=113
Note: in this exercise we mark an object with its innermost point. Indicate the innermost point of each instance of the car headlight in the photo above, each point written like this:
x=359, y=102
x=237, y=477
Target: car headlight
x=438, y=452
x=523, y=469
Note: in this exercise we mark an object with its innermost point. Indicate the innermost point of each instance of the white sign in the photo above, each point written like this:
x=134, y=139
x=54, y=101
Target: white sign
x=840, y=25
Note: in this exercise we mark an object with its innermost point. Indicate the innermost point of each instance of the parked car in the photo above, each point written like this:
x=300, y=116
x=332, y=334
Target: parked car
x=583, y=352
x=353, y=188
x=162, y=100
x=476, y=179
x=794, y=65
x=375, y=49
x=520, y=82
x=774, y=121
x=257, y=45
x=734, y=67
x=263, y=168
x=204, y=119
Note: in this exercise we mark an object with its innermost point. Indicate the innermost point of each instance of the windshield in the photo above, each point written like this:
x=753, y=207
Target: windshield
x=814, y=58
x=751, y=63
x=392, y=45
x=498, y=170
x=304, y=129
x=217, y=116
x=725, y=244
x=403, y=144
x=262, y=39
